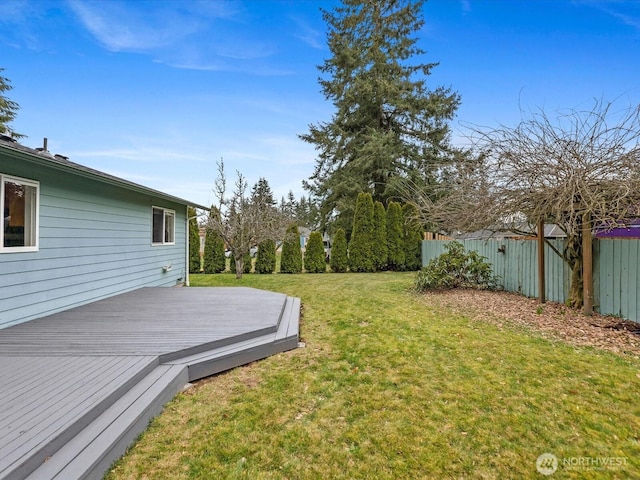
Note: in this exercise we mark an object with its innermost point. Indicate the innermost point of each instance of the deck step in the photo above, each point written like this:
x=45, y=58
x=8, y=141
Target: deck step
x=219, y=359
x=51, y=411
x=90, y=453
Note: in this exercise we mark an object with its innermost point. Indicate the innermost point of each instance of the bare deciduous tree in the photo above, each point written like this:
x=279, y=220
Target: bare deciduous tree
x=243, y=221
x=568, y=169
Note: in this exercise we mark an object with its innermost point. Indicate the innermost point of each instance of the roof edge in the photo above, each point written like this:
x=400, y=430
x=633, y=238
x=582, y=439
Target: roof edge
x=62, y=163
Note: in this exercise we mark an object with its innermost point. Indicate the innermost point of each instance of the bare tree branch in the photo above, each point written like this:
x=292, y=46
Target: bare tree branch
x=242, y=221
x=559, y=169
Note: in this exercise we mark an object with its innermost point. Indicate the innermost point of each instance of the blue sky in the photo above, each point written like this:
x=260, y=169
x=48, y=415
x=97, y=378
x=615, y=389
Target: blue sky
x=157, y=91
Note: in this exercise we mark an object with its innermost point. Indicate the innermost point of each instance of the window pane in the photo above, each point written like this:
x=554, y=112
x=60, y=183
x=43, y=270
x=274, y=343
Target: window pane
x=19, y=216
x=168, y=227
x=158, y=225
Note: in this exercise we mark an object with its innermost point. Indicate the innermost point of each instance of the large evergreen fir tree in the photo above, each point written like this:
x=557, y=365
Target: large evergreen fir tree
x=8, y=108
x=395, y=237
x=388, y=123
x=361, y=243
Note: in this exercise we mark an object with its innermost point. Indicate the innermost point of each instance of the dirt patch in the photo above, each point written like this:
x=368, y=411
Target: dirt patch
x=552, y=320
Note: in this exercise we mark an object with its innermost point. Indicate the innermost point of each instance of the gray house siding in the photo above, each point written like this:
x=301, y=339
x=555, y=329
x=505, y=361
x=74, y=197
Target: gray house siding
x=94, y=242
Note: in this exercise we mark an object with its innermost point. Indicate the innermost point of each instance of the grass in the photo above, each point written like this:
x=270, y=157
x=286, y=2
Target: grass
x=389, y=387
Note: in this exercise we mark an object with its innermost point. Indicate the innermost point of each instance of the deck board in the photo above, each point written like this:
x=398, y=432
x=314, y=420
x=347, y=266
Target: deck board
x=148, y=321
x=60, y=373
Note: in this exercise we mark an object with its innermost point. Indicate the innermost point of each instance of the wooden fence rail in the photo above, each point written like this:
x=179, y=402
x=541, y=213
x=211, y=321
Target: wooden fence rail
x=616, y=275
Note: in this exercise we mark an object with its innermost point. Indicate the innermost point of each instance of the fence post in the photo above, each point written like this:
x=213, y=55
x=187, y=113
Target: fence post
x=587, y=265
x=541, y=273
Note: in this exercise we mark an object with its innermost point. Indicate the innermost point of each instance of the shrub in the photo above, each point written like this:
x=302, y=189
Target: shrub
x=194, y=242
x=456, y=269
x=339, y=261
x=361, y=244
x=379, y=236
x=395, y=237
x=412, y=238
x=214, y=260
x=266, y=257
x=314, y=261
x=248, y=263
x=291, y=261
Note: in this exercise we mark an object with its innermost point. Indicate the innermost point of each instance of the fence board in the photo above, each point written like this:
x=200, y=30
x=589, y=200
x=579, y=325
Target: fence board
x=616, y=274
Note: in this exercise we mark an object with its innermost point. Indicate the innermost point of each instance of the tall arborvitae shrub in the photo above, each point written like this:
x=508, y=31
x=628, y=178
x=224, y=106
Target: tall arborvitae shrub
x=361, y=244
x=379, y=236
x=291, y=260
x=412, y=238
x=194, y=242
x=314, y=261
x=395, y=237
x=214, y=260
x=339, y=261
x=266, y=257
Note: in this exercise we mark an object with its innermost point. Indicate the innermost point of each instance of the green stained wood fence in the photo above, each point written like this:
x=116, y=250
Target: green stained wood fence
x=616, y=274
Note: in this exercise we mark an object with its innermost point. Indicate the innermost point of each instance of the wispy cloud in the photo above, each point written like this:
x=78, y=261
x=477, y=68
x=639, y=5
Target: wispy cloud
x=625, y=11
x=197, y=35
x=216, y=65
x=120, y=26
x=466, y=5
x=312, y=37
x=22, y=18
x=136, y=154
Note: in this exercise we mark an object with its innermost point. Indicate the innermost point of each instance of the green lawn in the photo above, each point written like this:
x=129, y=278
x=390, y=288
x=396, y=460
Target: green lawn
x=389, y=387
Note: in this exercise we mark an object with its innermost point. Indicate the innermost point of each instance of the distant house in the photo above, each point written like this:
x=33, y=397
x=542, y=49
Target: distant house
x=72, y=235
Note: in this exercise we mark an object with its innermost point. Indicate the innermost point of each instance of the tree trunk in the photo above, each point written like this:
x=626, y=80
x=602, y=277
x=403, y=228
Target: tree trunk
x=573, y=256
x=575, y=290
x=239, y=266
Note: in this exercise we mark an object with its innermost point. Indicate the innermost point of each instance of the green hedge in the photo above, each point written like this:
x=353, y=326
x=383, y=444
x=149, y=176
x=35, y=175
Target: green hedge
x=339, y=261
x=214, y=260
x=266, y=257
x=361, y=245
x=291, y=261
x=395, y=237
x=314, y=260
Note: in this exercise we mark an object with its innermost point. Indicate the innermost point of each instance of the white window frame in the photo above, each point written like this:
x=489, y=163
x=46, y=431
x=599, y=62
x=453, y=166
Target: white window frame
x=165, y=212
x=35, y=216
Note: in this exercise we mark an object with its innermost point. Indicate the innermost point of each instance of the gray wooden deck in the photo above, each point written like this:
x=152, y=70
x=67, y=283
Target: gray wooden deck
x=79, y=386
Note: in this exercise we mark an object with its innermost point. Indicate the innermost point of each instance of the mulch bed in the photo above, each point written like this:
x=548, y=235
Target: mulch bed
x=552, y=320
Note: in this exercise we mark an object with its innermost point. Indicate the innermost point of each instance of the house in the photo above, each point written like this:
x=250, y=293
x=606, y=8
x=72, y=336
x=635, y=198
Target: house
x=72, y=235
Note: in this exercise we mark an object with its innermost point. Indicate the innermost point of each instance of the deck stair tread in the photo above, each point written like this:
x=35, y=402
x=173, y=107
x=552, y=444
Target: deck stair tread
x=105, y=439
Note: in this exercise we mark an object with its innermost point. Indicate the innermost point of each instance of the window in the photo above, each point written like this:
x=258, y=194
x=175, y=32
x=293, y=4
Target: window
x=163, y=226
x=19, y=207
